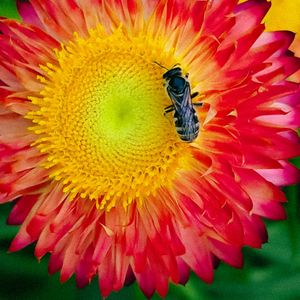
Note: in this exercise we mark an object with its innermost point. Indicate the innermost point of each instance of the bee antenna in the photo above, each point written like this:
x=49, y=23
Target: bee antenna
x=160, y=65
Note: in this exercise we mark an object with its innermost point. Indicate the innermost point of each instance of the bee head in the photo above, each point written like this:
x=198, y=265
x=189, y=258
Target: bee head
x=175, y=72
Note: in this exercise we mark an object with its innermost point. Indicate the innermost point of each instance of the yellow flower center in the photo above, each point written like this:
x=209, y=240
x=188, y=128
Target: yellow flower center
x=100, y=119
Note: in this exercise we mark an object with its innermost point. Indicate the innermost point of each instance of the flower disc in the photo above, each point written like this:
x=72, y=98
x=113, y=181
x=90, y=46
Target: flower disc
x=100, y=120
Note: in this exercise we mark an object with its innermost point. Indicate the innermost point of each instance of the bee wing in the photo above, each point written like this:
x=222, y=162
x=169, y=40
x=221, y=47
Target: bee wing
x=186, y=97
x=181, y=100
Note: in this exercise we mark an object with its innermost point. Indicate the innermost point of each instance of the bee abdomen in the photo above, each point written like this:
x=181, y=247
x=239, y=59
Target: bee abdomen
x=187, y=128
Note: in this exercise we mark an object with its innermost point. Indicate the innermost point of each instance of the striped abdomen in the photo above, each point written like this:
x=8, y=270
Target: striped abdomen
x=187, y=123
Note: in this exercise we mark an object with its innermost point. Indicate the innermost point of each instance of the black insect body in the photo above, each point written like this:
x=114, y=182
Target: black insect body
x=185, y=116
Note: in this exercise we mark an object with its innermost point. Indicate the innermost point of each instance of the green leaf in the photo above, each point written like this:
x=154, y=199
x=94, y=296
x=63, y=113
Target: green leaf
x=8, y=9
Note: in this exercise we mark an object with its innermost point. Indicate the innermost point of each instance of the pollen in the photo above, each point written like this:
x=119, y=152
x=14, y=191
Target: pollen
x=100, y=119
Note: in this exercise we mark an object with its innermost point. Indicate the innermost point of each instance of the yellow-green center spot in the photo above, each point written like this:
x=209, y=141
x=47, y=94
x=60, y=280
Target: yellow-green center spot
x=125, y=108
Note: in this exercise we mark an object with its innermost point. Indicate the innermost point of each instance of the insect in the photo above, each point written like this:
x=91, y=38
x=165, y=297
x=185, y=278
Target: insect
x=185, y=117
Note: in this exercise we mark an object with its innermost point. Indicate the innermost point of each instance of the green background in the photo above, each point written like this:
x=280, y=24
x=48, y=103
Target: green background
x=270, y=273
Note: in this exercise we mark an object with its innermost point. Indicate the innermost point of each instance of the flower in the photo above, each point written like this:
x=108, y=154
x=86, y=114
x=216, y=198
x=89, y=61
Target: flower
x=285, y=14
x=275, y=20
x=99, y=175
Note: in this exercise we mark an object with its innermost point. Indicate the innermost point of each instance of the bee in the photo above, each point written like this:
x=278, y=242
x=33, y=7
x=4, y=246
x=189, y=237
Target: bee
x=185, y=117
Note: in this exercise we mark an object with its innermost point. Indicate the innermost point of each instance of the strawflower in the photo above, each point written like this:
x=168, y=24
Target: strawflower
x=101, y=179
x=285, y=15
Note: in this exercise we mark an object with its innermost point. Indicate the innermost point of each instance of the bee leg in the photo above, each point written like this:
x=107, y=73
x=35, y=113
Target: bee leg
x=198, y=104
x=194, y=95
x=169, y=109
